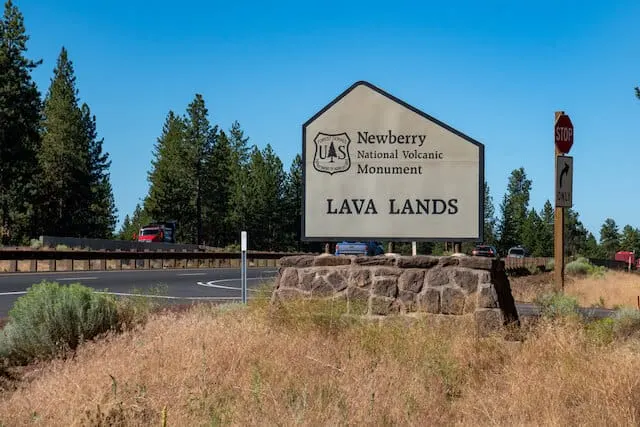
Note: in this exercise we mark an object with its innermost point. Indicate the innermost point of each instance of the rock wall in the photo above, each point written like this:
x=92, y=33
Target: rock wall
x=404, y=285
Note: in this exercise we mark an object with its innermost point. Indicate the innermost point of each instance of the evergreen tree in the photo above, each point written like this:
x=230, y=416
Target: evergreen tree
x=238, y=202
x=293, y=205
x=170, y=192
x=218, y=228
x=64, y=157
x=102, y=218
x=575, y=233
x=609, y=238
x=131, y=225
x=532, y=233
x=489, y=217
x=591, y=248
x=199, y=139
x=547, y=219
x=20, y=106
x=630, y=239
x=514, y=209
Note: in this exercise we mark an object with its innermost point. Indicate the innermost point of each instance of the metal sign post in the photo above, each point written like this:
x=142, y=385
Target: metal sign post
x=243, y=265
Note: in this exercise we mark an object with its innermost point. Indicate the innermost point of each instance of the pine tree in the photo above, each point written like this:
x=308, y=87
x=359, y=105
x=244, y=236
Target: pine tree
x=531, y=233
x=64, y=157
x=489, y=217
x=218, y=228
x=170, y=191
x=238, y=202
x=609, y=238
x=102, y=219
x=547, y=219
x=293, y=205
x=200, y=137
x=20, y=106
x=332, y=152
x=630, y=239
x=131, y=225
x=514, y=210
x=575, y=233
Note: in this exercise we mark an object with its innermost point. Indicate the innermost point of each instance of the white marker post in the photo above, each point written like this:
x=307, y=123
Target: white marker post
x=243, y=265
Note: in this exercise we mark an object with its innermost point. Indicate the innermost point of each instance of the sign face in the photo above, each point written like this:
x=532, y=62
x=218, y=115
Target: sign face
x=376, y=168
x=564, y=134
x=564, y=182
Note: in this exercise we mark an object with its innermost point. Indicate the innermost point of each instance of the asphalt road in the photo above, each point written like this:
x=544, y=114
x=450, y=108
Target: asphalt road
x=177, y=286
x=181, y=286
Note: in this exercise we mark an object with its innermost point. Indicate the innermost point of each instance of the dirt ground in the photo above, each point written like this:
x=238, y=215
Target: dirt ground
x=526, y=288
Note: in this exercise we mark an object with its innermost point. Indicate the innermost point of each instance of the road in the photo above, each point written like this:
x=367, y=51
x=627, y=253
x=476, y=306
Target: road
x=182, y=286
x=177, y=286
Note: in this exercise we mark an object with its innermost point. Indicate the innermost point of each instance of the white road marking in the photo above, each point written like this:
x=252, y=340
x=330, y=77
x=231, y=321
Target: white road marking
x=12, y=293
x=192, y=274
x=138, y=295
x=214, y=283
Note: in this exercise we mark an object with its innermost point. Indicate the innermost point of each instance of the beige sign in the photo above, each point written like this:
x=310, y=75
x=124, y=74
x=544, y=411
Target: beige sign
x=376, y=168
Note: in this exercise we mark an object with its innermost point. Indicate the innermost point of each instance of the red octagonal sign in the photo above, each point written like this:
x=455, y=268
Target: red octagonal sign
x=564, y=134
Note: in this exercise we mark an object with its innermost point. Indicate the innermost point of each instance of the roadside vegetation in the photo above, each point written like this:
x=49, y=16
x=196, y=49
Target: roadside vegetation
x=302, y=363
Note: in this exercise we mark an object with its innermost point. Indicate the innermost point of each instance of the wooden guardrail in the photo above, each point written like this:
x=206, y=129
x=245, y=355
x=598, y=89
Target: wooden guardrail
x=26, y=261
x=43, y=260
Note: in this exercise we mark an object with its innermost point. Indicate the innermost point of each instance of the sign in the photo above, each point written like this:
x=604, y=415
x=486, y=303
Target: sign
x=564, y=182
x=377, y=168
x=564, y=134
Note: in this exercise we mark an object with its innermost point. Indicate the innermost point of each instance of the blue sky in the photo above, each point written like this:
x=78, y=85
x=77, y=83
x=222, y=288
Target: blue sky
x=495, y=70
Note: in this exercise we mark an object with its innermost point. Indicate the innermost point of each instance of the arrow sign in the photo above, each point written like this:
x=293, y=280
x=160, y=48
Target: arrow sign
x=564, y=182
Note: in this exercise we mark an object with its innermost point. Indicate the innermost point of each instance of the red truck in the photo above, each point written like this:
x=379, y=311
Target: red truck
x=629, y=258
x=160, y=232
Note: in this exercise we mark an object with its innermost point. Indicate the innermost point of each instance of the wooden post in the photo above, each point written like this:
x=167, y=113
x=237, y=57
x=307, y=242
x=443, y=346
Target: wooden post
x=390, y=247
x=457, y=247
x=327, y=248
x=558, y=229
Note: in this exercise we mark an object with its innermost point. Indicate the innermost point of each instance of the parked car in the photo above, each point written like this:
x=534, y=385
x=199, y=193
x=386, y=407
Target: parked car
x=485, y=250
x=359, y=248
x=517, y=252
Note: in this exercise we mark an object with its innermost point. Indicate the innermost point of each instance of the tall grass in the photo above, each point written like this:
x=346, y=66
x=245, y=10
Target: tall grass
x=302, y=363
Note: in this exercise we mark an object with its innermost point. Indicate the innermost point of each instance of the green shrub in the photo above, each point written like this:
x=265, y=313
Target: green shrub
x=554, y=305
x=50, y=320
x=550, y=264
x=627, y=323
x=577, y=268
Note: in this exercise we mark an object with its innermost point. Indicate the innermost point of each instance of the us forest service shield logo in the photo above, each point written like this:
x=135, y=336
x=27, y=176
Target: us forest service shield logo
x=332, y=153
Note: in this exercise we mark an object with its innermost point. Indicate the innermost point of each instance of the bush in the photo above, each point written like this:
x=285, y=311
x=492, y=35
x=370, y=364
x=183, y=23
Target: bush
x=554, y=305
x=577, y=268
x=50, y=320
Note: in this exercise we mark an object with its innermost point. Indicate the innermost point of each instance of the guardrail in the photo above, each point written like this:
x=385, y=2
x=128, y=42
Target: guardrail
x=112, y=245
x=28, y=261
x=43, y=260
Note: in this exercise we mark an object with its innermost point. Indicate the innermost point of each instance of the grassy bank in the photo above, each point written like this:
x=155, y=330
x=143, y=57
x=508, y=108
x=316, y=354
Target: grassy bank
x=610, y=290
x=303, y=365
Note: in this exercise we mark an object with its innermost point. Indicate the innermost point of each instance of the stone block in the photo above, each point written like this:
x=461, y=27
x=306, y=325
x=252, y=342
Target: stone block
x=360, y=277
x=408, y=301
x=331, y=260
x=418, y=261
x=429, y=301
x=383, y=306
x=288, y=277
x=297, y=261
x=320, y=286
x=447, y=261
x=385, y=286
x=488, y=321
x=357, y=300
x=411, y=280
x=337, y=280
x=386, y=271
x=466, y=279
x=436, y=277
x=477, y=262
x=487, y=296
x=378, y=260
x=452, y=301
x=470, y=304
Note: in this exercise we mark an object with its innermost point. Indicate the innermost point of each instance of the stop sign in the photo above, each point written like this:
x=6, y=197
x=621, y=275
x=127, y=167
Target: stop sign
x=564, y=134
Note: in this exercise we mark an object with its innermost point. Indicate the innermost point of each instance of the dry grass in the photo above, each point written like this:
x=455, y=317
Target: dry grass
x=250, y=366
x=615, y=288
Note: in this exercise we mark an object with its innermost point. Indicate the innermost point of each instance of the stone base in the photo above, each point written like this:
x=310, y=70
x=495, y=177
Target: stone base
x=404, y=285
